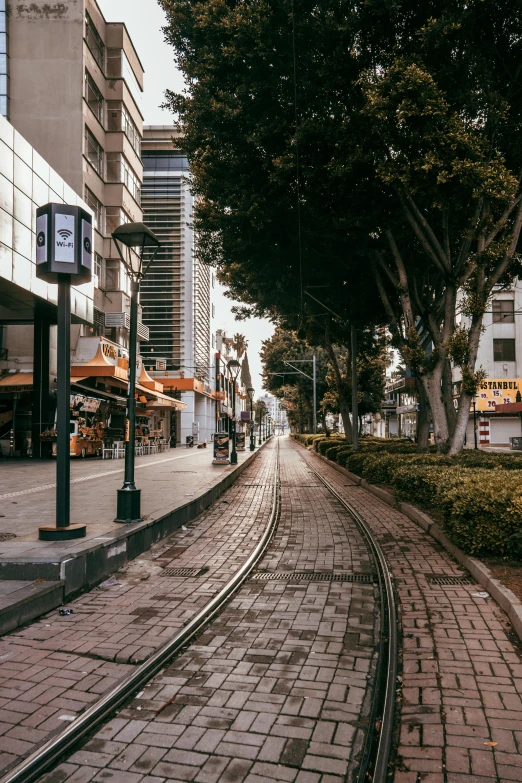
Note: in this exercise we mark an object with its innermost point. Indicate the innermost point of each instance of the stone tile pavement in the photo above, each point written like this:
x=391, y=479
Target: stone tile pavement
x=53, y=669
x=461, y=697
x=276, y=689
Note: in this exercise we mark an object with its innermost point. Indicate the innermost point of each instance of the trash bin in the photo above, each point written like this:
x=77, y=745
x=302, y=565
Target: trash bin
x=515, y=444
x=189, y=440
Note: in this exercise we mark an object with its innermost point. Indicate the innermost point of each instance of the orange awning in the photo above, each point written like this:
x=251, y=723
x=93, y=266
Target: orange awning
x=17, y=382
x=98, y=366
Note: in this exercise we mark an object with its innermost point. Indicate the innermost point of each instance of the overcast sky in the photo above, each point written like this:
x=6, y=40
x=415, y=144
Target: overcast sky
x=144, y=20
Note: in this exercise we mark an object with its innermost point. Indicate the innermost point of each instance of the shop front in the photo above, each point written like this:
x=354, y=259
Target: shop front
x=492, y=412
x=16, y=390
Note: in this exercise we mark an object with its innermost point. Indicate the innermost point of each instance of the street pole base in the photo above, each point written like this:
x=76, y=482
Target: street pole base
x=233, y=459
x=50, y=533
x=129, y=505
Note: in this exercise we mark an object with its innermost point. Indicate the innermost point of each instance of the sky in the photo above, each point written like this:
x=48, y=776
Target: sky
x=144, y=20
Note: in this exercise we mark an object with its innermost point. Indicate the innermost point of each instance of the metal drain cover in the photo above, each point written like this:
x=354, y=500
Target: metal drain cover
x=441, y=579
x=7, y=536
x=314, y=576
x=183, y=571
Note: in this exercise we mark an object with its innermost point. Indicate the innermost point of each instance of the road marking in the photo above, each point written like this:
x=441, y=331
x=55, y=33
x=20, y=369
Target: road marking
x=45, y=487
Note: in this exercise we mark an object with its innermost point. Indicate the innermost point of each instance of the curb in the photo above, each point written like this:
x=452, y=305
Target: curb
x=75, y=573
x=507, y=600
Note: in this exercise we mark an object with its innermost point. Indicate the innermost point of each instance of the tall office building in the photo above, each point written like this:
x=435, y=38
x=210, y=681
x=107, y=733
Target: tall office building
x=71, y=85
x=75, y=87
x=176, y=293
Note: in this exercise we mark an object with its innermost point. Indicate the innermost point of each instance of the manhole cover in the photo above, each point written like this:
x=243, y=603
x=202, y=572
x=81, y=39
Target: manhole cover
x=441, y=579
x=183, y=571
x=7, y=536
x=304, y=576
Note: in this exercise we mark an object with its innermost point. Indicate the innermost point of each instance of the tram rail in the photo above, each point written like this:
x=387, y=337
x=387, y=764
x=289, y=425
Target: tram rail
x=377, y=746
x=49, y=754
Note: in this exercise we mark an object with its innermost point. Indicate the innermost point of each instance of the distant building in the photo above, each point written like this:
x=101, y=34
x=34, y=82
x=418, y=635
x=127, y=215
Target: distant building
x=176, y=293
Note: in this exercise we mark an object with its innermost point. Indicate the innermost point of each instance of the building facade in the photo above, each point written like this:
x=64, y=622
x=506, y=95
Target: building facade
x=71, y=85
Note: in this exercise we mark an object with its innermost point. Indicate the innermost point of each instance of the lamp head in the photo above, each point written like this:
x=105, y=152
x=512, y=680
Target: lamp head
x=141, y=243
x=234, y=368
x=250, y=392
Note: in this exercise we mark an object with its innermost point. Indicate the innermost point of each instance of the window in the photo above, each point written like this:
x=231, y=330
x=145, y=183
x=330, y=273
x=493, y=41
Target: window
x=97, y=208
x=93, y=152
x=112, y=274
x=114, y=217
x=93, y=97
x=119, y=170
x=99, y=323
x=98, y=269
x=119, y=119
x=503, y=311
x=94, y=42
x=504, y=350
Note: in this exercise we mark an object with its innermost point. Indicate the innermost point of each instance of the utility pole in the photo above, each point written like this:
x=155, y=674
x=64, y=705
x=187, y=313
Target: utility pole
x=315, y=397
x=355, y=401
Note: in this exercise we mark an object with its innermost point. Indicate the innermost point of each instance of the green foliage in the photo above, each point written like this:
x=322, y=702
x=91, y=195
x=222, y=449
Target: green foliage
x=479, y=493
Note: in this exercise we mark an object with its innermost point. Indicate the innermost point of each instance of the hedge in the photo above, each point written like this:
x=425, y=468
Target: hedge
x=479, y=493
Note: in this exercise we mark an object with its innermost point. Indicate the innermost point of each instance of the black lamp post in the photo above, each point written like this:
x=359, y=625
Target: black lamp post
x=250, y=392
x=233, y=368
x=137, y=261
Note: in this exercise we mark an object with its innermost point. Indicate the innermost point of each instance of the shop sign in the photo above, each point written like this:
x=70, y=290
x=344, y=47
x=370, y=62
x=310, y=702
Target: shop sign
x=89, y=404
x=413, y=408
x=221, y=448
x=497, y=391
x=240, y=441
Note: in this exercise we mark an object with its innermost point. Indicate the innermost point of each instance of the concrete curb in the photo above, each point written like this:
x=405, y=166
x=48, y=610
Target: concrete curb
x=76, y=572
x=507, y=600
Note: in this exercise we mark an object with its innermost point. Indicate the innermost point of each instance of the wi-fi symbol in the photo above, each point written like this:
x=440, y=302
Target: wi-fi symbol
x=64, y=233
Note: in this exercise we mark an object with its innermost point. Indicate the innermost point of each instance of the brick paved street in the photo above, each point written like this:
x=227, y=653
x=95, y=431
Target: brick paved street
x=277, y=688
x=461, y=717
x=54, y=668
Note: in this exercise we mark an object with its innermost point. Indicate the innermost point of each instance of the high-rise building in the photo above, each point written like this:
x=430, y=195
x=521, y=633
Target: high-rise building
x=176, y=293
x=71, y=85
x=75, y=87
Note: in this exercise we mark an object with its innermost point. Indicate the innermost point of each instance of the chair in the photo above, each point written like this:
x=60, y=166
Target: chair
x=119, y=449
x=107, y=451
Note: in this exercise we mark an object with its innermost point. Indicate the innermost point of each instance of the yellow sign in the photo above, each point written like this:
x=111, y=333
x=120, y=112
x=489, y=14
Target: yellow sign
x=494, y=392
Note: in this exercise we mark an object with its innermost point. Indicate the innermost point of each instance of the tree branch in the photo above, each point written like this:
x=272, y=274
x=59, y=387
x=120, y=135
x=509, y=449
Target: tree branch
x=426, y=235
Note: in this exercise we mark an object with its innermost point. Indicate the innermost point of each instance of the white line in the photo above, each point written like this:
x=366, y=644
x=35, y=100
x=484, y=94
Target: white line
x=44, y=487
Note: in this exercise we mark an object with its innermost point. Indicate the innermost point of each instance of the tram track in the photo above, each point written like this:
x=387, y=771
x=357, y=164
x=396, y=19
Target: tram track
x=374, y=756
x=377, y=747
x=49, y=754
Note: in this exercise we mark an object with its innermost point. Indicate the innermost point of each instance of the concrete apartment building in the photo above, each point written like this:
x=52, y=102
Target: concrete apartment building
x=71, y=85
x=176, y=294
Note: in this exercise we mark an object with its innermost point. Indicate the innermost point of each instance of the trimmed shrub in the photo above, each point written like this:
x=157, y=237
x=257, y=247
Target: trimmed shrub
x=381, y=468
x=343, y=454
x=482, y=510
x=327, y=443
x=419, y=485
x=332, y=450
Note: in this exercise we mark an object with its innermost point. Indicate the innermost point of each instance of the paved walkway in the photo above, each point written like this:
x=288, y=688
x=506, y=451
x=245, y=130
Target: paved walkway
x=277, y=688
x=54, y=668
x=461, y=695
x=27, y=495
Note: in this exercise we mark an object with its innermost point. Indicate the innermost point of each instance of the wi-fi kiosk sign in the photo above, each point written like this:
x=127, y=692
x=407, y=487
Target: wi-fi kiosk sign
x=64, y=230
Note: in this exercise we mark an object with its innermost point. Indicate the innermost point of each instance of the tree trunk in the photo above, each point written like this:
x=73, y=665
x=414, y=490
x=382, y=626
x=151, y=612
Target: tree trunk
x=432, y=386
x=423, y=417
x=344, y=405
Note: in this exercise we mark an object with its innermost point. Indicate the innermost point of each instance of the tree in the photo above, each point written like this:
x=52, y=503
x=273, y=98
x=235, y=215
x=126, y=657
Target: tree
x=400, y=160
x=240, y=344
x=246, y=378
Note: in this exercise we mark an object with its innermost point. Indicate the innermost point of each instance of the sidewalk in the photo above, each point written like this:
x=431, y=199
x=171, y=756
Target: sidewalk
x=36, y=576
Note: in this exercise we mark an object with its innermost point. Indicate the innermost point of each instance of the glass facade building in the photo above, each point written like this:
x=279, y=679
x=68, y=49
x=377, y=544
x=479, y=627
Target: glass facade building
x=4, y=61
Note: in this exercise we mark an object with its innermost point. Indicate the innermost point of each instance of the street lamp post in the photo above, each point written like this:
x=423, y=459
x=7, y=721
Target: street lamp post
x=233, y=368
x=475, y=421
x=250, y=392
x=136, y=262
x=259, y=429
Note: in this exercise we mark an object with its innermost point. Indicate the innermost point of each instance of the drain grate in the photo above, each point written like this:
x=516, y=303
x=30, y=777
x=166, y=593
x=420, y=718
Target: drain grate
x=7, y=536
x=183, y=571
x=314, y=576
x=441, y=579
